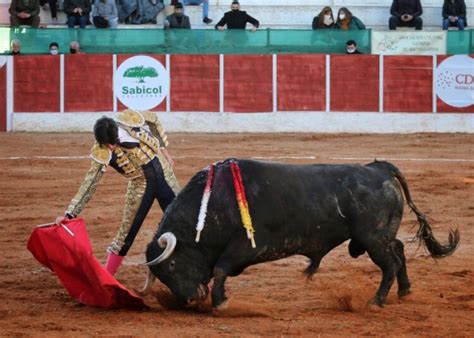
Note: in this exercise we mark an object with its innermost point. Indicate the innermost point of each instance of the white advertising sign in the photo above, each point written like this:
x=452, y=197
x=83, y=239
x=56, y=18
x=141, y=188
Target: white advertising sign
x=455, y=81
x=141, y=82
x=408, y=43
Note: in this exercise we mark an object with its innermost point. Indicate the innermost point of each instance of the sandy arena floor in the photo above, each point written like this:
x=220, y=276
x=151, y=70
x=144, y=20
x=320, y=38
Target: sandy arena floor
x=272, y=299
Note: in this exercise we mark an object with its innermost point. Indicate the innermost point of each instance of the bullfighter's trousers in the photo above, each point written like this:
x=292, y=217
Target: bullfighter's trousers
x=141, y=193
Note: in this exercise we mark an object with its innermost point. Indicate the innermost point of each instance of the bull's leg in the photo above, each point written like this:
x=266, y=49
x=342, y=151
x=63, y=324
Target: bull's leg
x=382, y=253
x=402, y=276
x=219, y=299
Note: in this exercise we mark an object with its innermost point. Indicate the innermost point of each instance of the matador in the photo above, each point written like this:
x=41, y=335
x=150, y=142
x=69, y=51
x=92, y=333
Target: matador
x=134, y=144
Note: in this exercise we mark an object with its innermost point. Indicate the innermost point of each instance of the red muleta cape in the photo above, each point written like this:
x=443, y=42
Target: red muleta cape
x=72, y=260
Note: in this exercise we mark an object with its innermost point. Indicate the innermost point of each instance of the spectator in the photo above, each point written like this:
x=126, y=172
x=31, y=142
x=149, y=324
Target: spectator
x=139, y=12
x=53, y=6
x=454, y=14
x=324, y=19
x=236, y=19
x=105, y=14
x=24, y=12
x=74, y=47
x=345, y=20
x=351, y=47
x=406, y=13
x=15, y=46
x=177, y=19
x=54, y=48
x=205, y=8
x=77, y=12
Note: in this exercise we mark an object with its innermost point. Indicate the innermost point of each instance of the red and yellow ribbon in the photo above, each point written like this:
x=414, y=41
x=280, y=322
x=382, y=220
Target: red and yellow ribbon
x=242, y=202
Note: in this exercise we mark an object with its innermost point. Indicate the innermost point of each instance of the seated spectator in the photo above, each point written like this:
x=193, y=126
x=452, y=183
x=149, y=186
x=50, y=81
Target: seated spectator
x=236, y=19
x=345, y=20
x=74, y=48
x=105, y=14
x=205, y=8
x=351, y=47
x=454, y=14
x=406, y=13
x=177, y=19
x=54, y=48
x=24, y=12
x=15, y=46
x=324, y=19
x=53, y=6
x=138, y=12
x=77, y=12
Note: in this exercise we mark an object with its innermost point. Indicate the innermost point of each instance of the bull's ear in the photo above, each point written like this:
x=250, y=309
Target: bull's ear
x=168, y=241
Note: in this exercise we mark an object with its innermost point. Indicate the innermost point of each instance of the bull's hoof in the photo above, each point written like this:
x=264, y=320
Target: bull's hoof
x=221, y=307
x=404, y=292
x=376, y=301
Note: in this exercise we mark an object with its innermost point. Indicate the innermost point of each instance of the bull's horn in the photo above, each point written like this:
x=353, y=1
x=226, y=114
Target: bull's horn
x=167, y=241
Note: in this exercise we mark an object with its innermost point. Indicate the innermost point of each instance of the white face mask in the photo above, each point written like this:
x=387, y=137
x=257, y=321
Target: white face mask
x=327, y=19
x=54, y=51
x=351, y=50
x=342, y=16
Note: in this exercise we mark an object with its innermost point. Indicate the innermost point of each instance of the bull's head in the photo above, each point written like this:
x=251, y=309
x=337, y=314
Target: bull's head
x=179, y=267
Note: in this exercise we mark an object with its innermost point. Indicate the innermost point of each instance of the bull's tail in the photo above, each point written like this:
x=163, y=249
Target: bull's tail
x=425, y=233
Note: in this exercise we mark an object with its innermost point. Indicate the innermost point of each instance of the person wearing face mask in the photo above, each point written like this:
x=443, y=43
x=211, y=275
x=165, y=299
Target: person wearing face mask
x=74, y=47
x=324, y=19
x=346, y=21
x=351, y=47
x=177, y=19
x=54, y=48
x=15, y=47
x=236, y=19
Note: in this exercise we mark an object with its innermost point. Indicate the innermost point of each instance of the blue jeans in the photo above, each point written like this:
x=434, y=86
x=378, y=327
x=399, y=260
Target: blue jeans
x=459, y=23
x=205, y=5
x=74, y=20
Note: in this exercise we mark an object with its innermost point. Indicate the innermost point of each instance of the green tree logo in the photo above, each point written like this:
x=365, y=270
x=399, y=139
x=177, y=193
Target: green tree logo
x=140, y=72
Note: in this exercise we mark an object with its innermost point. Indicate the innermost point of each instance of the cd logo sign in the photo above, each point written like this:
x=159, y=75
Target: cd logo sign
x=455, y=81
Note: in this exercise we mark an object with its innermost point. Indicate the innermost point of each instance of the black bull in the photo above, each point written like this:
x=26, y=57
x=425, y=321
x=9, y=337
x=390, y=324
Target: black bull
x=296, y=210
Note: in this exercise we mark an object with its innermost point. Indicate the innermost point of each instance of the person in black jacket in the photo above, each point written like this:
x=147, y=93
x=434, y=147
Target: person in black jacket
x=178, y=19
x=351, y=47
x=77, y=12
x=406, y=13
x=454, y=14
x=236, y=19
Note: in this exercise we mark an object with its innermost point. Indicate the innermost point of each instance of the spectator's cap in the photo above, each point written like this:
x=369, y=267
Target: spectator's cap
x=351, y=42
x=178, y=5
x=53, y=44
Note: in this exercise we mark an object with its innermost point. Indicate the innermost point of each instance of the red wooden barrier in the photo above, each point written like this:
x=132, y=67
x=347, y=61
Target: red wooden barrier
x=3, y=98
x=301, y=82
x=88, y=83
x=355, y=83
x=194, y=83
x=36, y=83
x=160, y=58
x=248, y=83
x=443, y=107
x=408, y=84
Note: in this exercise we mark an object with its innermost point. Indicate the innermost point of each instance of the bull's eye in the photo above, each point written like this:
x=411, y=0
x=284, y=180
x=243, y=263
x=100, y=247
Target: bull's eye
x=172, y=265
